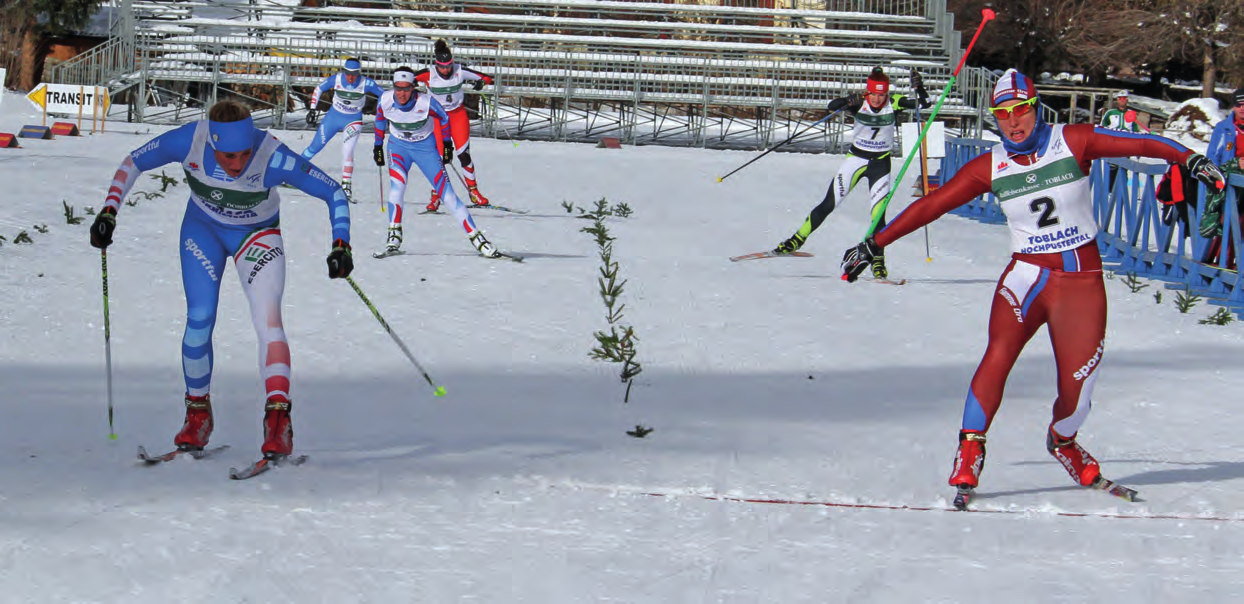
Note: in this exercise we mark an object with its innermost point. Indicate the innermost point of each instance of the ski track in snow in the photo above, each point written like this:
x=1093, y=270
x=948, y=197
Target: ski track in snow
x=764, y=380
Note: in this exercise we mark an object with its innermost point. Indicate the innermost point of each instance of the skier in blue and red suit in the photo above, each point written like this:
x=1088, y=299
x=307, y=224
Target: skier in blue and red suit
x=233, y=169
x=1039, y=174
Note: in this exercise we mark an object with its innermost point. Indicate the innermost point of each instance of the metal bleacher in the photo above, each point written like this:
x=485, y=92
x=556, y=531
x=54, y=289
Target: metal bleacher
x=571, y=70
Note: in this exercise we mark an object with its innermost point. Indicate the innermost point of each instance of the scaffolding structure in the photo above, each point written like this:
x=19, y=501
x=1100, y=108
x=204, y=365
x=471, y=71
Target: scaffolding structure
x=688, y=74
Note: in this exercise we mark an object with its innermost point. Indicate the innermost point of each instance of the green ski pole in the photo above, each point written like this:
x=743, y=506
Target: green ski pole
x=879, y=210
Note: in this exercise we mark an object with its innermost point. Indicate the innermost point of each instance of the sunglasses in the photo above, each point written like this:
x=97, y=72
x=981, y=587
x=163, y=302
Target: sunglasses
x=1022, y=109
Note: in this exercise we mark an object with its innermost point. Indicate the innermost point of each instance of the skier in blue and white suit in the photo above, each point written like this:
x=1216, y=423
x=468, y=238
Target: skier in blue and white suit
x=350, y=89
x=405, y=113
x=233, y=169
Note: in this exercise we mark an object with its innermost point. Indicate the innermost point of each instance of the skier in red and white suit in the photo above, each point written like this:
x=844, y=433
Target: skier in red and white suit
x=1039, y=174
x=445, y=81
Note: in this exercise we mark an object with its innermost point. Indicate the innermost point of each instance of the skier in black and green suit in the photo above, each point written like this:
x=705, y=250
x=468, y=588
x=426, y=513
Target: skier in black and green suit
x=875, y=116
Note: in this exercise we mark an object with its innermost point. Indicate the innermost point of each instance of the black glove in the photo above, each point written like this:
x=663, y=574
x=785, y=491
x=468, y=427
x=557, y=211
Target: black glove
x=101, y=230
x=478, y=85
x=377, y=153
x=340, y=262
x=917, y=80
x=447, y=151
x=856, y=259
x=313, y=117
x=1205, y=171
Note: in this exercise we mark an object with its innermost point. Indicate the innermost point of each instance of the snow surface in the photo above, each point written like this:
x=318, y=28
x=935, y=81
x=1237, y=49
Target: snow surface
x=766, y=379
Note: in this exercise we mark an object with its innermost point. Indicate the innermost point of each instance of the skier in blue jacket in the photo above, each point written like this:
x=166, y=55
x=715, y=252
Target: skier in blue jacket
x=233, y=169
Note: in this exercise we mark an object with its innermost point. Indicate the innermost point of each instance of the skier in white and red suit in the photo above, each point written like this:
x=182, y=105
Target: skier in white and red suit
x=445, y=81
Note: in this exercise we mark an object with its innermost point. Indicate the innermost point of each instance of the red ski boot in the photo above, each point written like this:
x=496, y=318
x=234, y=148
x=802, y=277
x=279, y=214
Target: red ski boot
x=435, y=204
x=969, y=460
x=477, y=198
x=198, y=426
x=1079, y=464
x=278, y=431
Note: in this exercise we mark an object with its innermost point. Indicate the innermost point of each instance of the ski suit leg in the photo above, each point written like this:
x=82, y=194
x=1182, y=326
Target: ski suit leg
x=460, y=130
x=1014, y=317
x=399, y=167
x=878, y=175
x=423, y=154
x=203, y=256
x=351, y=133
x=260, y=262
x=330, y=125
x=849, y=173
x=1077, y=326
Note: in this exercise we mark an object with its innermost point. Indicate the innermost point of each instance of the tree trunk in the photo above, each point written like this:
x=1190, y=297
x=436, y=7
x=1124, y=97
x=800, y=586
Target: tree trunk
x=30, y=65
x=1208, y=70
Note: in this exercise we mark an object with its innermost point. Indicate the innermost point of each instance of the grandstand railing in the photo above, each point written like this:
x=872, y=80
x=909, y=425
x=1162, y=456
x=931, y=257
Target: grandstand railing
x=589, y=76
x=1133, y=236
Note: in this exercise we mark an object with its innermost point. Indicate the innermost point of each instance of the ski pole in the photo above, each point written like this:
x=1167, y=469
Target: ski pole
x=775, y=147
x=436, y=390
x=381, y=188
x=498, y=114
x=103, y=263
x=924, y=184
x=879, y=209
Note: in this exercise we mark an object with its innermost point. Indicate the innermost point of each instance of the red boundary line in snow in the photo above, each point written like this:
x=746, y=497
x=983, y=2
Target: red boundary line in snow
x=911, y=508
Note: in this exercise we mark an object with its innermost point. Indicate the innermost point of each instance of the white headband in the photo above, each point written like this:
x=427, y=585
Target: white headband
x=404, y=76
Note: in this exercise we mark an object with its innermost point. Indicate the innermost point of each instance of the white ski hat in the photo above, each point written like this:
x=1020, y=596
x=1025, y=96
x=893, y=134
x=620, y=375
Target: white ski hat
x=1122, y=94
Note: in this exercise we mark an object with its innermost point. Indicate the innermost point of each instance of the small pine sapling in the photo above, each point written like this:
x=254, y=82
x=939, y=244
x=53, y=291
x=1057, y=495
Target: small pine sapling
x=618, y=344
x=1222, y=317
x=1186, y=300
x=42, y=228
x=1157, y=297
x=640, y=431
x=165, y=181
x=23, y=238
x=1133, y=283
x=69, y=217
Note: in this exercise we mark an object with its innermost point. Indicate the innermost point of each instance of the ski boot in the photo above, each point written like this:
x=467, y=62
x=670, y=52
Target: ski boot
x=790, y=245
x=879, y=271
x=969, y=461
x=477, y=198
x=395, y=239
x=197, y=428
x=278, y=430
x=1078, y=463
x=483, y=246
x=345, y=186
x=435, y=204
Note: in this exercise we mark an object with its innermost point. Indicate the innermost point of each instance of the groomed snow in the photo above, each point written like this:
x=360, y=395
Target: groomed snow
x=765, y=379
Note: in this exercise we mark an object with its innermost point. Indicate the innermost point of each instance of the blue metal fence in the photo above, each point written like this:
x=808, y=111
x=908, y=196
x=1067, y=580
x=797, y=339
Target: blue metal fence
x=1133, y=238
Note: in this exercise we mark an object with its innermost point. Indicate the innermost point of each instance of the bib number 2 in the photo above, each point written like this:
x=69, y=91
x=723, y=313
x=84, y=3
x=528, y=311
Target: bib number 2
x=1045, y=206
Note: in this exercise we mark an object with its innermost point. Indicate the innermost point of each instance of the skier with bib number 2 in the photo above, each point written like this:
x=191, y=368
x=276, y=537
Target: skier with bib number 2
x=1039, y=174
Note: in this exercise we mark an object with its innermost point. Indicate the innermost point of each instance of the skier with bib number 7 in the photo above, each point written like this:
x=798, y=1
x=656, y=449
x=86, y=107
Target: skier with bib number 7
x=233, y=169
x=875, y=115
x=1039, y=174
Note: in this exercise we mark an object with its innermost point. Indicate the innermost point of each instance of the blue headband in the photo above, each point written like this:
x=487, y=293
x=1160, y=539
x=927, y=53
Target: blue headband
x=353, y=66
x=232, y=137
